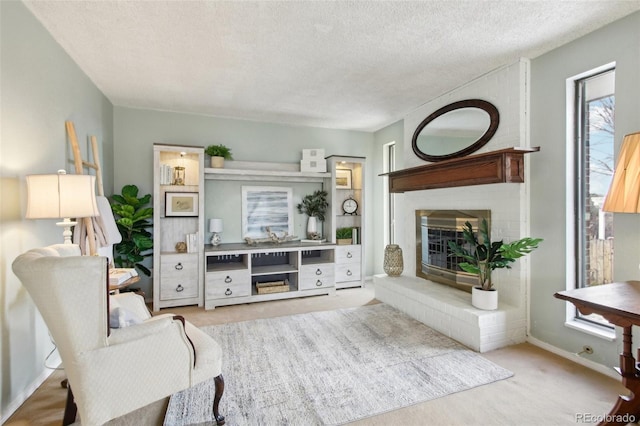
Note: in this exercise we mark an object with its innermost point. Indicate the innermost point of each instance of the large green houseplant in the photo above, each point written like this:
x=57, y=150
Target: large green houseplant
x=132, y=221
x=483, y=256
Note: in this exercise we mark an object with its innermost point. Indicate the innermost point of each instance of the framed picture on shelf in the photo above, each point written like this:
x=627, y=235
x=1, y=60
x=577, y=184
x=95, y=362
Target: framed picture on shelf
x=266, y=206
x=343, y=179
x=180, y=204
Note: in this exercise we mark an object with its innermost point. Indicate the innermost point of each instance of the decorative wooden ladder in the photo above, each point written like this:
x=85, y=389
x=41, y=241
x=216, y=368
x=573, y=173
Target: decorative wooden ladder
x=80, y=164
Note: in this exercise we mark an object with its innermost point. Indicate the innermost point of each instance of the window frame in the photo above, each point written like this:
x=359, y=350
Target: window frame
x=574, y=248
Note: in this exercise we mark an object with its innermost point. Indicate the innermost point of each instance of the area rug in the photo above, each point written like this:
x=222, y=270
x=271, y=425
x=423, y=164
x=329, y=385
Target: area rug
x=329, y=368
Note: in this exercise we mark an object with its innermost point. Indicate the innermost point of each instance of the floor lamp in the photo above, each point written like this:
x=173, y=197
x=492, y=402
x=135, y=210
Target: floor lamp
x=61, y=196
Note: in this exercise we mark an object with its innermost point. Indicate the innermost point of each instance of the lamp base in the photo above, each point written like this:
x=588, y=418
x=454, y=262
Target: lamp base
x=215, y=239
x=67, y=224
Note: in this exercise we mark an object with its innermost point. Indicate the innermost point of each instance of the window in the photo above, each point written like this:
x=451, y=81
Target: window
x=594, y=163
x=389, y=159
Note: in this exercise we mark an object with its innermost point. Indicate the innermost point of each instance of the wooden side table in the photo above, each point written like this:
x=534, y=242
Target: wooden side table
x=618, y=303
x=115, y=289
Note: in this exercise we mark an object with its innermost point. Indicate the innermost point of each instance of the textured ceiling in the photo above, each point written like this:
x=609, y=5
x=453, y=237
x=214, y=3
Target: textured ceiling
x=348, y=65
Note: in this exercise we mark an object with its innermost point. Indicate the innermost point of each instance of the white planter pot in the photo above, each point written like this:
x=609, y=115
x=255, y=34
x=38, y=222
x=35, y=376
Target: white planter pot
x=312, y=227
x=217, y=162
x=484, y=299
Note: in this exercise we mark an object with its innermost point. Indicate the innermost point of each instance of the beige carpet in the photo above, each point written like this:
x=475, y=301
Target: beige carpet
x=545, y=390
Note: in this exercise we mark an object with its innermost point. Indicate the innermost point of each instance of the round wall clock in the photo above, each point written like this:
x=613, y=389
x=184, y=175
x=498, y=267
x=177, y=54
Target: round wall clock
x=350, y=206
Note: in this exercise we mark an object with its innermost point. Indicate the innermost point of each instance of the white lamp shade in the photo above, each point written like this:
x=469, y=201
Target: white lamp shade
x=624, y=193
x=61, y=196
x=215, y=225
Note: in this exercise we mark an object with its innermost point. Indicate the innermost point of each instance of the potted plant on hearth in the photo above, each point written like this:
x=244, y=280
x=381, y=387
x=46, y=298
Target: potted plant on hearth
x=315, y=206
x=482, y=256
x=218, y=154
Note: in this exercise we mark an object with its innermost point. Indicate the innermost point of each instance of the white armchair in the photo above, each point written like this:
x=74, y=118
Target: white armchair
x=113, y=371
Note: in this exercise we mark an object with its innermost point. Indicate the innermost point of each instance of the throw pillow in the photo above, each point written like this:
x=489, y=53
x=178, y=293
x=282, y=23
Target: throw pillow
x=120, y=317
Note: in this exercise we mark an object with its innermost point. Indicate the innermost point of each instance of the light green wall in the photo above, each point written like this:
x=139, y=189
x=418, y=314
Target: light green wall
x=41, y=87
x=136, y=130
x=392, y=133
x=619, y=42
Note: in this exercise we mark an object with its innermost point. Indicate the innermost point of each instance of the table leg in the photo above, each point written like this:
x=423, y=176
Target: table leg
x=627, y=408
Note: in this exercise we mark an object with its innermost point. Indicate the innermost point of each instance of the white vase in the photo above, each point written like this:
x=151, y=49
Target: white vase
x=217, y=162
x=484, y=299
x=312, y=228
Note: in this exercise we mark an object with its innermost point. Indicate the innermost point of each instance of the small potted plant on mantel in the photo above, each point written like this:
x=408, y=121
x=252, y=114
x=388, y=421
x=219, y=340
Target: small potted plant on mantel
x=315, y=206
x=484, y=256
x=218, y=154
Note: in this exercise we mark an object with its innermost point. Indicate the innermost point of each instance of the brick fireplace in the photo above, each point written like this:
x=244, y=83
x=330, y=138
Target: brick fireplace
x=448, y=309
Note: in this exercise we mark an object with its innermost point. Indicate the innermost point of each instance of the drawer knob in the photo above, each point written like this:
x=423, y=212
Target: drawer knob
x=179, y=266
x=318, y=283
x=179, y=288
x=228, y=279
x=349, y=255
x=349, y=272
x=228, y=292
x=318, y=271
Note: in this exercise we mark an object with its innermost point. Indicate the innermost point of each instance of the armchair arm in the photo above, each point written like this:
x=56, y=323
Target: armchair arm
x=154, y=326
x=143, y=363
x=134, y=303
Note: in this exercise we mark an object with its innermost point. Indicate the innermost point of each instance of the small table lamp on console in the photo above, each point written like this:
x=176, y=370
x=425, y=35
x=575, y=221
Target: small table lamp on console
x=61, y=196
x=215, y=226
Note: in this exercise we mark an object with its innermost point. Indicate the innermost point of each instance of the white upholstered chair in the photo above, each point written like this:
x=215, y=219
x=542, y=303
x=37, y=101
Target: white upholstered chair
x=113, y=371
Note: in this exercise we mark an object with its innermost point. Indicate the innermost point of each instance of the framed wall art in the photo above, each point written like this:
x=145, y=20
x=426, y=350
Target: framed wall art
x=266, y=206
x=343, y=178
x=180, y=204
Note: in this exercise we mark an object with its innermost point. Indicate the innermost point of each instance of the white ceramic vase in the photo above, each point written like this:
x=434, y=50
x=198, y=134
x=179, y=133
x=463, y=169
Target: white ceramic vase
x=312, y=227
x=484, y=299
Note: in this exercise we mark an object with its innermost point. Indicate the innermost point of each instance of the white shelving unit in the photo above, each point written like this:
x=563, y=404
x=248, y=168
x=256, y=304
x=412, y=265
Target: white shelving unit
x=349, y=258
x=178, y=277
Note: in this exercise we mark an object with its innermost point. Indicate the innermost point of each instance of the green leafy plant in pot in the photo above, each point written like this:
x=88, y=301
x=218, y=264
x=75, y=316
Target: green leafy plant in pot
x=315, y=206
x=344, y=235
x=218, y=154
x=132, y=221
x=483, y=255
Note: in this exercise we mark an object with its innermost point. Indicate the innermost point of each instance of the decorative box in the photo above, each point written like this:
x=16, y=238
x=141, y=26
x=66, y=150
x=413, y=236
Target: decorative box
x=319, y=166
x=312, y=154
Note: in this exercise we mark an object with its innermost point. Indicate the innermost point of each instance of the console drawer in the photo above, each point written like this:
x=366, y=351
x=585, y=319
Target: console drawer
x=348, y=272
x=317, y=276
x=348, y=254
x=225, y=284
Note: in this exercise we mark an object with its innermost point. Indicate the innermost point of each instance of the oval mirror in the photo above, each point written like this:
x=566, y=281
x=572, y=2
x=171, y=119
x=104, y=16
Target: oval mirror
x=455, y=130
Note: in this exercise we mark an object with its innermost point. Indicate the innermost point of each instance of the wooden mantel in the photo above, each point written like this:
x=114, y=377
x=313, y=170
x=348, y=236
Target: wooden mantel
x=505, y=165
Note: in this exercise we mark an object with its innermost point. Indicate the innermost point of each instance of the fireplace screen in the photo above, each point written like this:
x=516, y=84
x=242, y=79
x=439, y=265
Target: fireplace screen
x=434, y=230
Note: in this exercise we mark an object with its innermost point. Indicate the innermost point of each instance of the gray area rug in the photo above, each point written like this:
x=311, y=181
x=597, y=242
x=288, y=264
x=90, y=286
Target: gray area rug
x=328, y=368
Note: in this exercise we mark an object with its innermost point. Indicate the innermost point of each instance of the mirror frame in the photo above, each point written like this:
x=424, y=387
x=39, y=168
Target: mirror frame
x=488, y=107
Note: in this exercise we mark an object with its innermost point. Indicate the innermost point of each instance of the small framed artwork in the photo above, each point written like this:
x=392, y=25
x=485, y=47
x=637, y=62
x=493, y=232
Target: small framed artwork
x=179, y=204
x=343, y=179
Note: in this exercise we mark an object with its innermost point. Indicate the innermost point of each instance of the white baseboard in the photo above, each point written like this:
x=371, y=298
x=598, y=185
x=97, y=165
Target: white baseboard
x=13, y=406
x=607, y=371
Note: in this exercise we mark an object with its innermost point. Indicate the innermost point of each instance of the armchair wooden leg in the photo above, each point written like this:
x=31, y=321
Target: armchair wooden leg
x=219, y=382
x=70, y=409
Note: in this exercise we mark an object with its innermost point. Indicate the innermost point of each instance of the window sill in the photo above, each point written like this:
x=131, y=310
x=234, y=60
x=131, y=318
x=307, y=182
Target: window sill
x=592, y=329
